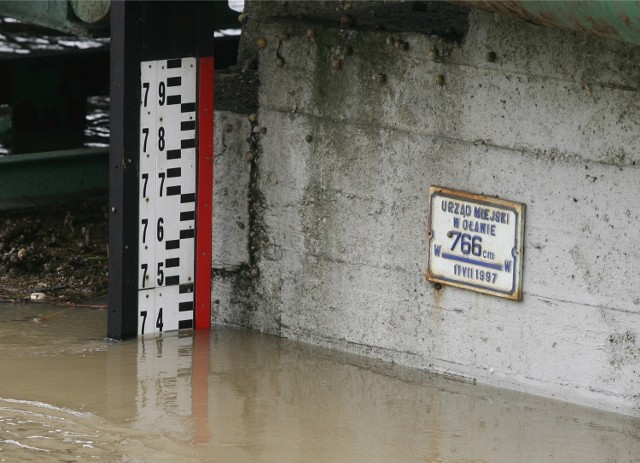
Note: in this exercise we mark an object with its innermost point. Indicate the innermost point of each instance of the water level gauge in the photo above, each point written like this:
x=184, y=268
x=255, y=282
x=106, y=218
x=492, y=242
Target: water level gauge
x=168, y=200
x=160, y=167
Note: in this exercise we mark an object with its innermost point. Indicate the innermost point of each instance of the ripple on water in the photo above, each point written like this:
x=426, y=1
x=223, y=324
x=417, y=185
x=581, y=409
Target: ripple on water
x=28, y=330
x=37, y=431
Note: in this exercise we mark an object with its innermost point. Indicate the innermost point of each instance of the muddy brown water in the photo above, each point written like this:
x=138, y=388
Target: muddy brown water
x=229, y=395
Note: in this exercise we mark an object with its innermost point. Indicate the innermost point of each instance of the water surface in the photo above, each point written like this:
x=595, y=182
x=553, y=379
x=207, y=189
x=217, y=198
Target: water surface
x=231, y=395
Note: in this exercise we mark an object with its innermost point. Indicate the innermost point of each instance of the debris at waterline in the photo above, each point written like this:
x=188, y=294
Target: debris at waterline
x=59, y=251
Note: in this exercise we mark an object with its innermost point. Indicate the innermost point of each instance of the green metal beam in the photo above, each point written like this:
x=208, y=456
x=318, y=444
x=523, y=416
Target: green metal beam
x=619, y=20
x=79, y=17
x=43, y=178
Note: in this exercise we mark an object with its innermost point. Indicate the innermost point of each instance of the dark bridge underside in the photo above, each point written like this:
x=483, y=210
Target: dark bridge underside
x=51, y=91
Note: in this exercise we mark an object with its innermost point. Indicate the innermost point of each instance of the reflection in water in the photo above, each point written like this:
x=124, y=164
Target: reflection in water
x=96, y=132
x=237, y=396
x=165, y=383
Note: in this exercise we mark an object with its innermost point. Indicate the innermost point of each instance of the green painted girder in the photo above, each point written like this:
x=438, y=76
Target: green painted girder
x=78, y=17
x=37, y=179
x=619, y=20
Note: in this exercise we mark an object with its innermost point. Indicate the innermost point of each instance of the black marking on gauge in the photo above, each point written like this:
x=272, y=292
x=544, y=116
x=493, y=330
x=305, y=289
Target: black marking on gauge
x=187, y=125
x=173, y=262
x=184, y=234
x=188, y=107
x=174, y=63
x=185, y=306
x=174, y=154
x=174, y=190
x=185, y=324
x=174, y=81
x=173, y=280
x=174, y=99
x=188, y=198
x=188, y=143
x=172, y=244
x=186, y=288
x=174, y=172
x=188, y=215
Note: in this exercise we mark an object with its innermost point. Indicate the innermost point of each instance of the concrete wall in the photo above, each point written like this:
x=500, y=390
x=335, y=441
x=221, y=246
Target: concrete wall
x=332, y=198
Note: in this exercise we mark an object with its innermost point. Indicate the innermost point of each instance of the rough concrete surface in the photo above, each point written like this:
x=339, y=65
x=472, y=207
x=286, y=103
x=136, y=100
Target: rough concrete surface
x=335, y=199
x=231, y=218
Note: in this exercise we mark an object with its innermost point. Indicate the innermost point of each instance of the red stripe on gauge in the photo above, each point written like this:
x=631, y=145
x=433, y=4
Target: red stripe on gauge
x=205, y=194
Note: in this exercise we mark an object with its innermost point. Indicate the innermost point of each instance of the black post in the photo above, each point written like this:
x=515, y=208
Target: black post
x=123, y=167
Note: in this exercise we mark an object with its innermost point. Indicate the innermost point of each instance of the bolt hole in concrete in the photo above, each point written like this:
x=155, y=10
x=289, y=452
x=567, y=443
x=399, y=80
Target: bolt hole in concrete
x=231, y=395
